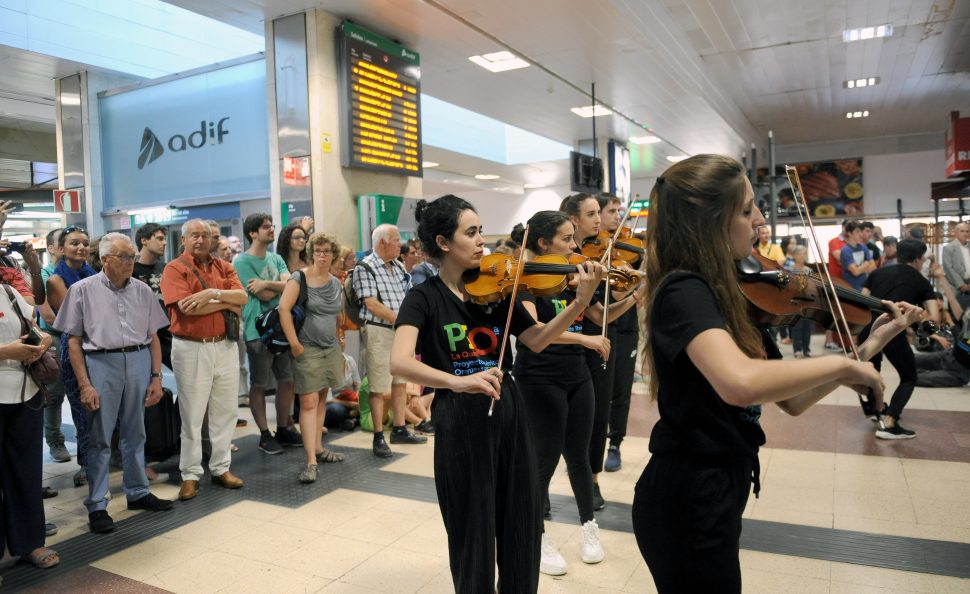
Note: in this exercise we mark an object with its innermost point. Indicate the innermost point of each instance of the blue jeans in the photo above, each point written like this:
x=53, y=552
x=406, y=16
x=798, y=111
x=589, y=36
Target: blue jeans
x=801, y=336
x=121, y=380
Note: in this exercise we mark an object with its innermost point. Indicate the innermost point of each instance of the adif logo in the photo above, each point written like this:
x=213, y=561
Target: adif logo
x=152, y=148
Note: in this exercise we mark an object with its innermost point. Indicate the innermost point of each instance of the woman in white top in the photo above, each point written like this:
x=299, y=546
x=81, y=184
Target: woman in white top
x=21, y=436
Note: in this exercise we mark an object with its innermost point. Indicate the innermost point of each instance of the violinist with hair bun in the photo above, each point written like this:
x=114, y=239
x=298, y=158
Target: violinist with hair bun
x=484, y=464
x=559, y=388
x=713, y=370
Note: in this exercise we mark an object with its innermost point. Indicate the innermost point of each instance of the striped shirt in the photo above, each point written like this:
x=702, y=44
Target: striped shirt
x=389, y=285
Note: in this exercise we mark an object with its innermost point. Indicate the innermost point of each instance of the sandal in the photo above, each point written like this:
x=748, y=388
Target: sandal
x=329, y=456
x=44, y=557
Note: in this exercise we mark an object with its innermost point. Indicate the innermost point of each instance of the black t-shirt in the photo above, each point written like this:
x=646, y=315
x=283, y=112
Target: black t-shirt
x=694, y=421
x=565, y=362
x=455, y=336
x=874, y=249
x=899, y=282
x=151, y=276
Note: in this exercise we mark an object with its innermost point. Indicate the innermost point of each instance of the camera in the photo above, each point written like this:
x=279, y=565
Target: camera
x=17, y=246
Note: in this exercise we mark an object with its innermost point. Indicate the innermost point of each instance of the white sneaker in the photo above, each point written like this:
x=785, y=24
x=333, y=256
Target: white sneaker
x=590, y=549
x=552, y=561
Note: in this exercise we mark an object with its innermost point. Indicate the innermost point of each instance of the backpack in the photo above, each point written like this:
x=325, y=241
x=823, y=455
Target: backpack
x=268, y=323
x=352, y=303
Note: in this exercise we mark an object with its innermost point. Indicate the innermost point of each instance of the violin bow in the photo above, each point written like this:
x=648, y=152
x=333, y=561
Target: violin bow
x=519, y=266
x=831, y=296
x=605, y=261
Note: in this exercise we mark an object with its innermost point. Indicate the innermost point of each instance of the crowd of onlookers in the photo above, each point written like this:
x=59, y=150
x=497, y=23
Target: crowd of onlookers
x=115, y=314
x=893, y=269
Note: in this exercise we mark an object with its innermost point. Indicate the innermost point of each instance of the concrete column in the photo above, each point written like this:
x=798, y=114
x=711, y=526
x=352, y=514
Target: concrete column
x=334, y=189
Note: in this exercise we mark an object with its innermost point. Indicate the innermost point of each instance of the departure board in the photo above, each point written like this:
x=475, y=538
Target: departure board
x=381, y=103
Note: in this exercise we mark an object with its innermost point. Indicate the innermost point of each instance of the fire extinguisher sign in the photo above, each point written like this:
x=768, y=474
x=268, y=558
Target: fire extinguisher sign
x=67, y=200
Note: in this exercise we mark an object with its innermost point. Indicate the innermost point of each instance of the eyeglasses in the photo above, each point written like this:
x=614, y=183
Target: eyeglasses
x=322, y=252
x=126, y=259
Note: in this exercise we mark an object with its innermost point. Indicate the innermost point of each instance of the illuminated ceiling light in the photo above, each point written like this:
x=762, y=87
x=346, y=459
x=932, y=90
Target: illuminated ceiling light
x=428, y=164
x=859, y=83
x=499, y=61
x=864, y=33
x=676, y=158
x=486, y=176
x=589, y=111
x=533, y=186
x=857, y=114
x=644, y=139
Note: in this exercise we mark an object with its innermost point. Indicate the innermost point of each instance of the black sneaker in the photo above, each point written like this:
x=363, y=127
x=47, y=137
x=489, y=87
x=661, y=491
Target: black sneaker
x=348, y=425
x=382, y=450
x=406, y=436
x=598, y=501
x=897, y=431
x=150, y=503
x=100, y=522
x=425, y=427
x=268, y=444
x=547, y=512
x=289, y=438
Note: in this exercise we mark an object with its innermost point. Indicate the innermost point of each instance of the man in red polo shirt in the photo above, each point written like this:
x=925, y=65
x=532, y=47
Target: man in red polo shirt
x=835, y=271
x=197, y=289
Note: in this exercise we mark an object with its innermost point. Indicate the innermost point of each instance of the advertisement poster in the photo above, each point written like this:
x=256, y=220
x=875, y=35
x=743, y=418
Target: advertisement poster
x=833, y=188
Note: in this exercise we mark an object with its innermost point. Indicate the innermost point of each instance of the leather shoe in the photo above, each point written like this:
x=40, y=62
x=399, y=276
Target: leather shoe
x=227, y=480
x=150, y=503
x=189, y=490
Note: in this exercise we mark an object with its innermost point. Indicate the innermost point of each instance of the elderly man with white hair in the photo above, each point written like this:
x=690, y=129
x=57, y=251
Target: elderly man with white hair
x=380, y=282
x=112, y=324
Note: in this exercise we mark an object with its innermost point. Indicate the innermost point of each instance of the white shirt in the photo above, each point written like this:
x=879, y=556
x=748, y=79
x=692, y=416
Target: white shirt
x=11, y=371
x=965, y=250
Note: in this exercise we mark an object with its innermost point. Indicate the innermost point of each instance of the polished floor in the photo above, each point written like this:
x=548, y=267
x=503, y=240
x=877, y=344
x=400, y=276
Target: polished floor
x=839, y=512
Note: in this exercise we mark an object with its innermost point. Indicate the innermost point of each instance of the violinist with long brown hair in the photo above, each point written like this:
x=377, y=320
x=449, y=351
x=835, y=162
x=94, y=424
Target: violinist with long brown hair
x=712, y=374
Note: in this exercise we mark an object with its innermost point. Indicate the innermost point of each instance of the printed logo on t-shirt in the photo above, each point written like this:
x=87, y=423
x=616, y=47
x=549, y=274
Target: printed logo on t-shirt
x=751, y=414
x=560, y=305
x=472, y=351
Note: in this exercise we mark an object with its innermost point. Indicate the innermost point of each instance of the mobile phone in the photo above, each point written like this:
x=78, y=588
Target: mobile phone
x=33, y=337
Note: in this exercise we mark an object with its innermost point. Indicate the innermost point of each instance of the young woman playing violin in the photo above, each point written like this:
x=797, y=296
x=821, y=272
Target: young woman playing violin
x=559, y=390
x=485, y=468
x=585, y=213
x=711, y=376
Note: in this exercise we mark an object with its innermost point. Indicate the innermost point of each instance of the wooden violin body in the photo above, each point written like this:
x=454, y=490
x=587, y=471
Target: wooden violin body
x=779, y=297
x=626, y=248
x=543, y=276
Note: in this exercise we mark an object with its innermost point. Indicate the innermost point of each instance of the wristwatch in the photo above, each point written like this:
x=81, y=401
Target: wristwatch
x=218, y=295
x=155, y=374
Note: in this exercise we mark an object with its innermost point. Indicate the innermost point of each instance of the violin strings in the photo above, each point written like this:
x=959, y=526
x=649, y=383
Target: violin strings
x=519, y=266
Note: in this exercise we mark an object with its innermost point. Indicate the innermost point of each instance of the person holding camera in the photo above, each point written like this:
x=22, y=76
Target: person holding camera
x=21, y=426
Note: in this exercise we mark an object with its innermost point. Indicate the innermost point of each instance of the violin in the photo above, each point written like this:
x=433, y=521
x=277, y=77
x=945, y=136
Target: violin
x=779, y=297
x=627, y=247
x=543, y=276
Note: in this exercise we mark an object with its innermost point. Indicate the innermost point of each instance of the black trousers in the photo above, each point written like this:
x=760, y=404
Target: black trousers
x=21, y=472
x=901, y=357
x=603, y=389
x=561, y=419
x=687, y=520
x=625, y=366
x=488, y=491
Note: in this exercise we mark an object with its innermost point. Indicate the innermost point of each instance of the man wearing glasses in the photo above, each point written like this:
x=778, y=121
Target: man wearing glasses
x=114, y=350
x=264, y=274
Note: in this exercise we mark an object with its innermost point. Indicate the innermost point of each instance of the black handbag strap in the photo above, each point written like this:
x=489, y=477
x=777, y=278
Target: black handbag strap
x=197, y=275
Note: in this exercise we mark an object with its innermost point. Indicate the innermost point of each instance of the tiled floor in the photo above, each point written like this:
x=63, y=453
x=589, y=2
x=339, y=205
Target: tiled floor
x=824, y=469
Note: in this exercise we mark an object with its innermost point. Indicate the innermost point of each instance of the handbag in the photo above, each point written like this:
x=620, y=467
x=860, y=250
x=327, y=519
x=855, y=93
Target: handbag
x=231, y=317
x=44, y=370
